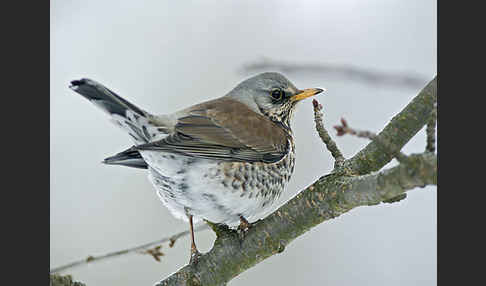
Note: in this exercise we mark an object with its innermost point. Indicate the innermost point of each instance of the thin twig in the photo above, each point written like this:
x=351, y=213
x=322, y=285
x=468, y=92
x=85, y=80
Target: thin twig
x=154, y=252
x=431, y=131
x=136, y=249
x=330, y=144
x=345, y=129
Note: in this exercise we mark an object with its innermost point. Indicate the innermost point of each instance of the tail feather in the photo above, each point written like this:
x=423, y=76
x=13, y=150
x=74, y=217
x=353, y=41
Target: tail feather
x=130, y=158
x=107, y=99
x=135, y=121
x=123, y=113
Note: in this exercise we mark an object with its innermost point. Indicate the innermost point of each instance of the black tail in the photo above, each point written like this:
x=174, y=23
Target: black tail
x=129, y=158
x=107, y=99
x=124, y=114
x=129, y=117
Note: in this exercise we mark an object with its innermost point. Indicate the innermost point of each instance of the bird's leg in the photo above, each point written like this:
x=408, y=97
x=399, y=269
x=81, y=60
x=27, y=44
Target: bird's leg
x=194, y=252
x=244, y=224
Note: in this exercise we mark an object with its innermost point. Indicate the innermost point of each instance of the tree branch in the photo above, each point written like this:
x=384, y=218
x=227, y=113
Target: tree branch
x=327, y=198
x=431, y=130
x=398, y=132
x=351, y=185
x=347, y=187
x=136, y=249
x=58, y=280
x=345, y=129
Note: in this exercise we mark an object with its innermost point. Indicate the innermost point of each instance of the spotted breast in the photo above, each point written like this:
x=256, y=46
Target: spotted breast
x=218, y=191
x=225, y=160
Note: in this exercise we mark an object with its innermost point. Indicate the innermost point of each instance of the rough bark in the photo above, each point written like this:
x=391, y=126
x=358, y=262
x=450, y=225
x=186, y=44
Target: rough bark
x=58, y=280
x=327, y=198
x=351, y=185
x=398, y=132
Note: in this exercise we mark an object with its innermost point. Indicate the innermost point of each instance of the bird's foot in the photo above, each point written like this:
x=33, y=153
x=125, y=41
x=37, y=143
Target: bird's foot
x=243, y=227
x=244, y=224
x=195, y=254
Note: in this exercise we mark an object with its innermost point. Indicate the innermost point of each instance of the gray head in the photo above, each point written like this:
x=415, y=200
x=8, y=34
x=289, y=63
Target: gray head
x=272, y=95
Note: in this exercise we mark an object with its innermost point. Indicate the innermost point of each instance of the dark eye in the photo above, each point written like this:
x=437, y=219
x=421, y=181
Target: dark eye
x=277, y=93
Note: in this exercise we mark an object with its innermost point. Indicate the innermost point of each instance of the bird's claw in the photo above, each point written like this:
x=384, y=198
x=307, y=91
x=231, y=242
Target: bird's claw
x=243, y=227
x=195, y=254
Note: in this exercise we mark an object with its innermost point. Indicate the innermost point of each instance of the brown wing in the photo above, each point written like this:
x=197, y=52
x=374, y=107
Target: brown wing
x=225, y=129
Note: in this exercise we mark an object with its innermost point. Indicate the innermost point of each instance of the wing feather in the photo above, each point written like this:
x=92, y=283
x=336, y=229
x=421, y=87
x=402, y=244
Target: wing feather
x=225, y=129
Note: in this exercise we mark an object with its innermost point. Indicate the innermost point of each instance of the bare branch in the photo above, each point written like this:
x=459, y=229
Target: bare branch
x=431, y=130
x=326, y=139
x=144, y=248
x=327, y=198
x=398, y=132
x=345, y=129
x=340, y=71
x=58, y=280
x=154, y=252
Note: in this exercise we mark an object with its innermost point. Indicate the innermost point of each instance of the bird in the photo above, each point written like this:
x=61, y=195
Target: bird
x=224, y=161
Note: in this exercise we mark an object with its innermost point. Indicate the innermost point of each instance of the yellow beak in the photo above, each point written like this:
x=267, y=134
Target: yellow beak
x=307, y=93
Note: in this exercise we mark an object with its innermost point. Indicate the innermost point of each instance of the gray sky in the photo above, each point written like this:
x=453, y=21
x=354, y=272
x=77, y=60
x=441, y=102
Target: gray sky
x=167, y=55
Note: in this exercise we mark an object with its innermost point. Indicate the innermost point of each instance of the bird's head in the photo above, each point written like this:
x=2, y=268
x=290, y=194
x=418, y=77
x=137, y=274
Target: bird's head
x=272, y=95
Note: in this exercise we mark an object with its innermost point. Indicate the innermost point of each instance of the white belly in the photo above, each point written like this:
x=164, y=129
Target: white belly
x=200, y=188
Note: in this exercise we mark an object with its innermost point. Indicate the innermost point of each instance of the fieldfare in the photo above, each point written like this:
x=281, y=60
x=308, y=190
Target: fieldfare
x=225, y=160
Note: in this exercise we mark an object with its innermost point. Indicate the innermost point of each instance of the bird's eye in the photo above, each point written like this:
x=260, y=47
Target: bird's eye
x=277, y=93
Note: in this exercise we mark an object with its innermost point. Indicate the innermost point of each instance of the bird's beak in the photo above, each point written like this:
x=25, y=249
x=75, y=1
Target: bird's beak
x=306, y=93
